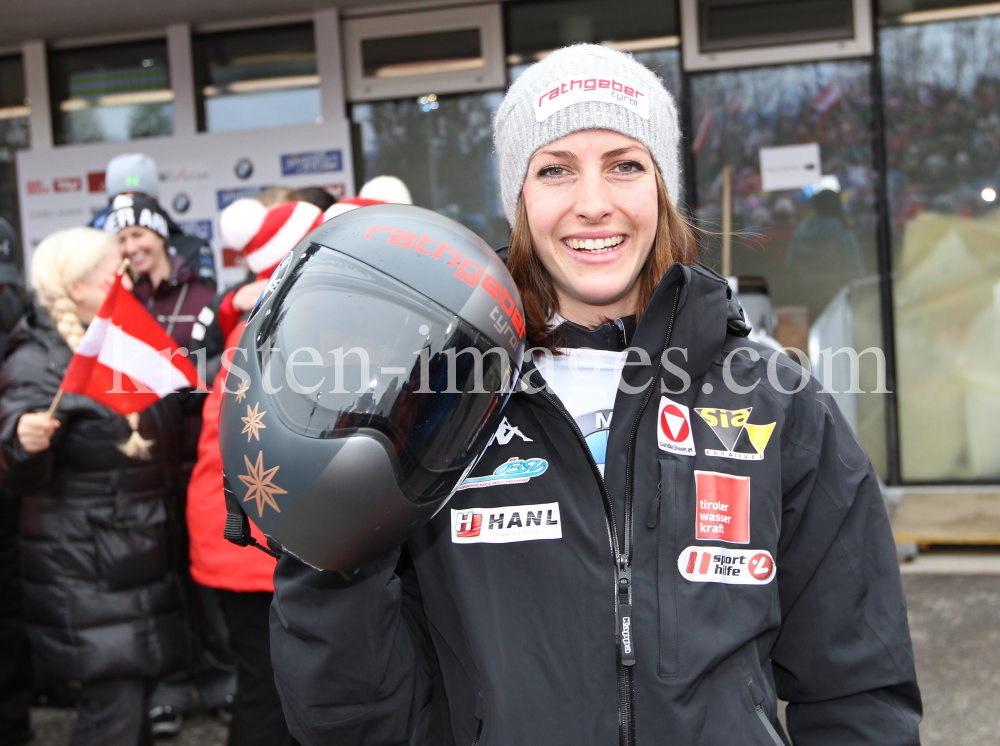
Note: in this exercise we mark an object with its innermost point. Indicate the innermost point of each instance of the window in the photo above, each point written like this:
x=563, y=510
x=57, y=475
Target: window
x=13, y=135
x=263, y=77
x=534, y=27
x=813, y=250
x=942, y=130
x=119, y=92
x=442, y=148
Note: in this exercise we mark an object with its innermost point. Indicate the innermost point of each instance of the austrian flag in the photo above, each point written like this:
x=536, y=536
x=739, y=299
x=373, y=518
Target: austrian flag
x=125, y=360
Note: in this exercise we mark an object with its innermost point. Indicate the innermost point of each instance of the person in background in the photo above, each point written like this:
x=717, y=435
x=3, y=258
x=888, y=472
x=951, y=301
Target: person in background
x=15, y=655
x=242, y=580
x=378, y=191
x=173, y=291
x=136, y=173
x=317, y=196
x=103, y=599
x=277, y=195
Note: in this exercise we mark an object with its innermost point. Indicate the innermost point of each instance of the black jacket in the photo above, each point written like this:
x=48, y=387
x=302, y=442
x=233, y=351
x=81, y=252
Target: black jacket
x=102, y=597
x=520, y=643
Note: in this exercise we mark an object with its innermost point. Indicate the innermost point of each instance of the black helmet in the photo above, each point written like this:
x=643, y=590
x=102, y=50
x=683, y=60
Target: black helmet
x=377, y=362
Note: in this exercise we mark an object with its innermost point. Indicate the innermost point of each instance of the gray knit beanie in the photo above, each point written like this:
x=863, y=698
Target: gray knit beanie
x=583, y=87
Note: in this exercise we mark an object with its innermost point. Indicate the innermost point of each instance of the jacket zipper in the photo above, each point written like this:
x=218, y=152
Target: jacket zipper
x=623, y=559
x=767, y=725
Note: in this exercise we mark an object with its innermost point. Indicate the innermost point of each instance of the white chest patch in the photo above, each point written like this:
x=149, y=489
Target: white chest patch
x=506, y=524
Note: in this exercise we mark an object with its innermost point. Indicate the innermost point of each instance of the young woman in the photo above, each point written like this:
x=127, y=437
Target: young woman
x=713, y=536
x=103, y=604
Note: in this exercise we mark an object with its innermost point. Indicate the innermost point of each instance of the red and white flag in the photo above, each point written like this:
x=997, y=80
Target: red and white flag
x=125, y=360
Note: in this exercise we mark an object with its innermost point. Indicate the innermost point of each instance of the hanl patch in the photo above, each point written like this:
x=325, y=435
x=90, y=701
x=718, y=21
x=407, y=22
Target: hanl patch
x=512, y=471
x=725, y=565
x=728, y=425
x=506, y=524
x=723, y=509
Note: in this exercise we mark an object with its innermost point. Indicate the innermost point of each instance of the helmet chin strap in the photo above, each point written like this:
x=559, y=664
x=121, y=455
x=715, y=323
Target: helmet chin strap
x=237, y=529
x=614, y=336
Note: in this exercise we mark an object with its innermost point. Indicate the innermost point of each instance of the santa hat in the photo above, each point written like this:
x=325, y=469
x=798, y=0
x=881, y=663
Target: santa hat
x=379, y=191
x=265, y=236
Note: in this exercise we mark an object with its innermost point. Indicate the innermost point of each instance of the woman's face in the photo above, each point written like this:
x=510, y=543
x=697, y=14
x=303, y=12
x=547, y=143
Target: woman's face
x=591, y=202
x=144, y=248
x=89, y=292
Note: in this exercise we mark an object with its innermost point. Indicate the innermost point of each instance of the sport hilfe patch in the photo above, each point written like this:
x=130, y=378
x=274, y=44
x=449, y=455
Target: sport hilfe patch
x=506, y=524
x=601, y=89
x=512, y=471
x=673, y=428
x=728, y=425
x=723, y=507
x=725, y=565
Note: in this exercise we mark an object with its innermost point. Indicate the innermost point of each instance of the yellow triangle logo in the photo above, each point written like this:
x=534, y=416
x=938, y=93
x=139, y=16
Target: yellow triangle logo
x=759, y=435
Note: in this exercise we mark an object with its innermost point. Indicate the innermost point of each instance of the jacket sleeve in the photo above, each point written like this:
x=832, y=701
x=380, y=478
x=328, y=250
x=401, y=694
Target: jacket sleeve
x=843, y=658
x=26, y=385
x=352, y=661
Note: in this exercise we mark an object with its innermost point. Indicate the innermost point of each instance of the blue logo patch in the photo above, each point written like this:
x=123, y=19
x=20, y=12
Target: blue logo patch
x=226, y=197
x=316, y=162
x=514, y=471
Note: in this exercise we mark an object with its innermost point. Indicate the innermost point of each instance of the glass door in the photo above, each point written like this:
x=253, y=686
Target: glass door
x=805, y=251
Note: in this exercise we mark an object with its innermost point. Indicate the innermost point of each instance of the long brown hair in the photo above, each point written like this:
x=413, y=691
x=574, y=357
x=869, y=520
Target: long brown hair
x=674, y=242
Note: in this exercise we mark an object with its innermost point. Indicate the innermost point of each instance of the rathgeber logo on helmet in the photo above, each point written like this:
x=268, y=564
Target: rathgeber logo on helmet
x=607, y=90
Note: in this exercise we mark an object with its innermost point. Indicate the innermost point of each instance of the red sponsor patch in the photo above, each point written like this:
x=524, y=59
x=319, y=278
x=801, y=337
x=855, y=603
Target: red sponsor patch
x=233, y=258
x=723, y=507
x=761, y=566
x=37, y=186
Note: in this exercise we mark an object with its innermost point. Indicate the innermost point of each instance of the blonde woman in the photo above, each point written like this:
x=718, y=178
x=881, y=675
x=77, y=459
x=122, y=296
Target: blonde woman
x=103, y=606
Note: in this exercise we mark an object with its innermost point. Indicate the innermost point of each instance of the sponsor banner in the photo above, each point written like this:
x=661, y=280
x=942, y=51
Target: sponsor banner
x=673, y=431
x=226, y=197
x=506, y=524
x=200, y=228
x=95, y=182
x=602, y=89
x=317, y=162
x=723, y=509
x=512, y=471
x=726, y=565
x=728, y=425
x=64, y=187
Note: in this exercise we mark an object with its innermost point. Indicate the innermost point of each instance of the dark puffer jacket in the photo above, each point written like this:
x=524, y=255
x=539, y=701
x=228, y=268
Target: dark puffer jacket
x=101, y=597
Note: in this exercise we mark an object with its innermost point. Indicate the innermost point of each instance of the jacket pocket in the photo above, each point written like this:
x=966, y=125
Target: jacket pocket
x=663, y=518
x=757, y=700
x=131, y=550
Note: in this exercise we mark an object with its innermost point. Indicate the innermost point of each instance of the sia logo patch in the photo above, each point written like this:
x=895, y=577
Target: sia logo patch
x=728, y=425
x=723, y=512
x=506, y=524
x=673, y=428
x=513, y=471
x=725, y=565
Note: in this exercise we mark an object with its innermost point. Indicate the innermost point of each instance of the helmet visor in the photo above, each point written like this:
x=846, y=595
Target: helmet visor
x=346, y=349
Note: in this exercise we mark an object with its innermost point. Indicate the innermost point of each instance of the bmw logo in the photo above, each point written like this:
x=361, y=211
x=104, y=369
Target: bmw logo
x=244, y=168
x=181, y=202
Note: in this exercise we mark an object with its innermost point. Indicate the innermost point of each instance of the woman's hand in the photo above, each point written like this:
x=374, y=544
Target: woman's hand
x=247, y=295
x=34, y=431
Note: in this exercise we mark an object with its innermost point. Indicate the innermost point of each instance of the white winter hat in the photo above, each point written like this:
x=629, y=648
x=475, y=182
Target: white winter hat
x=386, y=189
x=266, y=235
x=583, y=87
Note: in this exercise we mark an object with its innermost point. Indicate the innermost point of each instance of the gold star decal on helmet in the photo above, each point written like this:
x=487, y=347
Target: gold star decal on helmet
x=252, y=424
x=260, y=484
x=241, y=390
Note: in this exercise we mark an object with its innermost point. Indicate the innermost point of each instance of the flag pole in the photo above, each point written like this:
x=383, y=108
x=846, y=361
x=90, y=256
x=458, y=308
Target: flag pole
x=55, y=403
x=59, y=392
